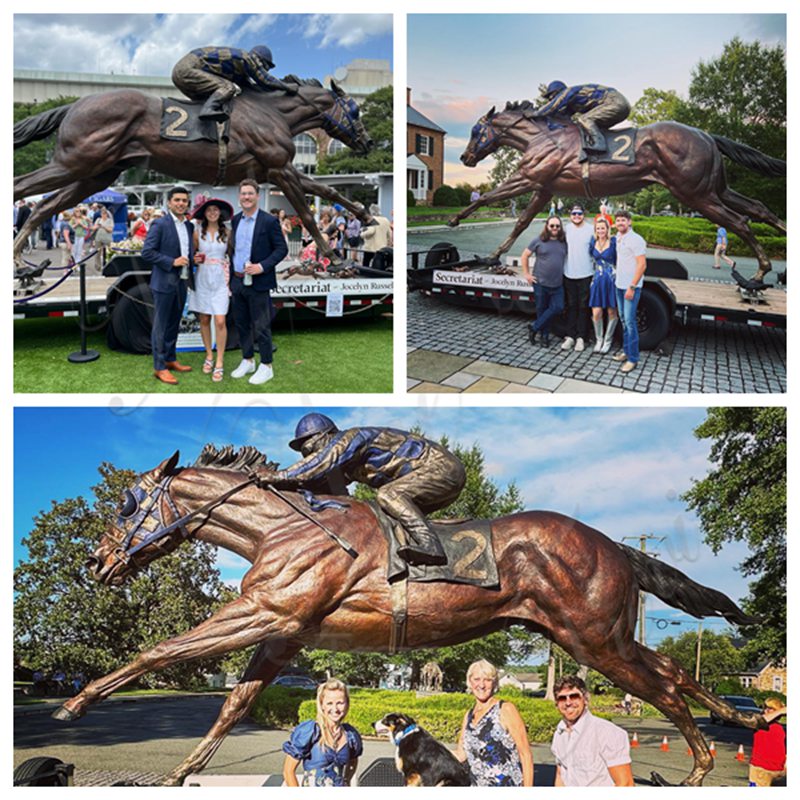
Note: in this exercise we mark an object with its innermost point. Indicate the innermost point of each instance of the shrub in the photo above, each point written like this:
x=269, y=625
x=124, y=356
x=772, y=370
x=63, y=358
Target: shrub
x=446, y=196
x=411, y=201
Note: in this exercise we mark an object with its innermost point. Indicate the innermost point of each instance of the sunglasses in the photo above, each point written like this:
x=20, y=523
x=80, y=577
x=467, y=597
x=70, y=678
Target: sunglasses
x=576, y=213
x=555, y=227
x=562, y=698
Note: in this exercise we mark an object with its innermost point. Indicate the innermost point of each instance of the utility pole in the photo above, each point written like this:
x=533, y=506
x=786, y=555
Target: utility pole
x=697, y=657
x=643, y=538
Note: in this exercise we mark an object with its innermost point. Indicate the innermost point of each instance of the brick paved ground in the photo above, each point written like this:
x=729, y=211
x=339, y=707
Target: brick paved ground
x=457, y=349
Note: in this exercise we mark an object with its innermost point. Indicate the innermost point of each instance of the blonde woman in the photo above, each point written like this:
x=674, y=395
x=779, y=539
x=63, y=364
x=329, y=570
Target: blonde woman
x=328, y=747
x=493, y=738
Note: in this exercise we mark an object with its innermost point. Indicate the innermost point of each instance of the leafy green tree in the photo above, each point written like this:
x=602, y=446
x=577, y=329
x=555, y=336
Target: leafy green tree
x=64, y=618
x=655, y=105
x=36, y=154
x=377, y=116
x=718, y=655
x=742, y=95
x=743, y=498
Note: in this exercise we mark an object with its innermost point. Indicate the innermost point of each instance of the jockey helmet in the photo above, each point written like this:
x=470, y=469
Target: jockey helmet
x=265, y=54
x=311, y=425
x=554, y=87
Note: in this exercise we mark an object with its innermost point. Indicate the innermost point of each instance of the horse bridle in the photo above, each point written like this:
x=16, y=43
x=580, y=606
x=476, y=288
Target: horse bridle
x=140, y=506
x=348, y=110
x=492, y=132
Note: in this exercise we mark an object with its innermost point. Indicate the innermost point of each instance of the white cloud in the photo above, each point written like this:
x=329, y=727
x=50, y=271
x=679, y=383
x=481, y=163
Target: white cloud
x=346, y=30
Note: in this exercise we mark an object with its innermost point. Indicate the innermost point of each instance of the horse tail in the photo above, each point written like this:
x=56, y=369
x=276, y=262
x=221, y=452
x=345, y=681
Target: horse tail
x=39, y=126
x=680, y=591
x=750, y=157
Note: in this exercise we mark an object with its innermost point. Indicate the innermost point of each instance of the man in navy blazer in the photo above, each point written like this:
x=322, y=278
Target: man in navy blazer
x=258, y=246
x=168, y=248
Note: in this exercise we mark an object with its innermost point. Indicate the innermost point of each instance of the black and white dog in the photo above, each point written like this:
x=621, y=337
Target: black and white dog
x=420, y=758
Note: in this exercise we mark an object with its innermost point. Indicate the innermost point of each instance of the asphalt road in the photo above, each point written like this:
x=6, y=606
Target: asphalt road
x=142, y=740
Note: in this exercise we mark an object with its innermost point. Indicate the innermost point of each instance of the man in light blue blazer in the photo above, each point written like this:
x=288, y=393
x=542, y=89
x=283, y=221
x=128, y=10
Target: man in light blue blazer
x=168, y=248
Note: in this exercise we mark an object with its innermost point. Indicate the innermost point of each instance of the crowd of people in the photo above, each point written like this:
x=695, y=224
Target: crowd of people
x=584, y=268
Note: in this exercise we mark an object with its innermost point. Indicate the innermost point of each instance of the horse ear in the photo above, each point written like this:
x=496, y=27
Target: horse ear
x=491, y=112
x=167, y=466
x=336, y=88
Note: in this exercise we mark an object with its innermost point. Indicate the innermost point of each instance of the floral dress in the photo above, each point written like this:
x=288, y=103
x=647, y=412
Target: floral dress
x=322, y=766
x=491, y=752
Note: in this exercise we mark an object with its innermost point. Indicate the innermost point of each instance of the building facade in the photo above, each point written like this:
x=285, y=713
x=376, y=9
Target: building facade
x=425, y=154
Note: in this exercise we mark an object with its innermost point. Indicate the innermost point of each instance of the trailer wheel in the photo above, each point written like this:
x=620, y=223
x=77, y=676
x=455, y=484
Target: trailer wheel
x=652, y=317
x=132, y=320
x=440, y=254
x=40, y=771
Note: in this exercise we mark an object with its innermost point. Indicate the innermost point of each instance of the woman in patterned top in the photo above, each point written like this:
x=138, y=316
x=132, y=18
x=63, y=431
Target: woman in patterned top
x=493, y=738
x=328, y=747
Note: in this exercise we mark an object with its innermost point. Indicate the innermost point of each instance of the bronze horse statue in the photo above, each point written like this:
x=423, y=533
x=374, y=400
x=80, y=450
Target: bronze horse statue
x=104, y=134
x=685, y=160
x=557, y=577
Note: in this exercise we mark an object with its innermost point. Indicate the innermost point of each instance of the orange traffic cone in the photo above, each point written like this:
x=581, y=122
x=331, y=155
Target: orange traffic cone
x=665, y=744
x=689, y=751
x=712, y=748
x=740, y=754
x=635, y=740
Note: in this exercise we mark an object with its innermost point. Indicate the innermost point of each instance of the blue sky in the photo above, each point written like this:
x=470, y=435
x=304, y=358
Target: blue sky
x=619, y=470
x=485, y=60
x=309, y=45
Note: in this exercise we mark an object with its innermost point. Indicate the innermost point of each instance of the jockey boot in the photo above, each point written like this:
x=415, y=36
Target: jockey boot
x=217, y=106
x=596, y=141
x=598, y=334
x=421, y=547
x=609, y=337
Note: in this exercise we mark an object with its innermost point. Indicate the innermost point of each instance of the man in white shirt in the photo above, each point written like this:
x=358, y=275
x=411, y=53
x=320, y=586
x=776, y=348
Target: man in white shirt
x=589, y=751
x=578, y=270
x=631, y=266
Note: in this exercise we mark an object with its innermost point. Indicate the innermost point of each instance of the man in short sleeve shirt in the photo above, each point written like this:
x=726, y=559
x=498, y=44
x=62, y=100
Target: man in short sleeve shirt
x=631, y=265
x=589, y=751
x=578, y=272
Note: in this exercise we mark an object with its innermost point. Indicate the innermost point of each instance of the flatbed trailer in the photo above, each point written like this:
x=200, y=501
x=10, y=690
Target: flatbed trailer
x=668, y=296
x=123, y=292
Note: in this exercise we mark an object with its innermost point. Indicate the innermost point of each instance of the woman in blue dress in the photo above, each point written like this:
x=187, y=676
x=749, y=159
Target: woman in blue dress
x=602, y=292
x=327, y=747
x=493, y=740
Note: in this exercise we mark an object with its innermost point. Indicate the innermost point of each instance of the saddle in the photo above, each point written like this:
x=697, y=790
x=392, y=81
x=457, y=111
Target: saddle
x=181, y=122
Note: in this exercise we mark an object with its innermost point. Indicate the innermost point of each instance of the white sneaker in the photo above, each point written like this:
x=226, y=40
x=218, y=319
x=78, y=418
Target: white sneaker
x=245, y=368
x=262, y=374
x=579, y=345
x=567, y=343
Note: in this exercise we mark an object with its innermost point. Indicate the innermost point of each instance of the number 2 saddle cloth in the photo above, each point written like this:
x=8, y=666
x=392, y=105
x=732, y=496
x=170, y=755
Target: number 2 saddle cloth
x=180, y=122
x=468, y=545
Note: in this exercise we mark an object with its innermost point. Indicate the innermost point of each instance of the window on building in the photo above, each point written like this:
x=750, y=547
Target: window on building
x=777, y=683
x=424, y=145
x=305, y=158
x=335, y=147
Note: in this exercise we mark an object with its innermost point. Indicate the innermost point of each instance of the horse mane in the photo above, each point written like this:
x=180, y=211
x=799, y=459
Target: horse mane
x=519, y=105
x=228, y=457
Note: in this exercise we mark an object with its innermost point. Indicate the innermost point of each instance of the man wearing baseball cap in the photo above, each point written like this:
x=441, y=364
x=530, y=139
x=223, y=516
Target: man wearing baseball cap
x=578, y=271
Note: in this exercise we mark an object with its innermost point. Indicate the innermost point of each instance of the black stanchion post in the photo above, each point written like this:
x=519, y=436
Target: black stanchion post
x=83, y=355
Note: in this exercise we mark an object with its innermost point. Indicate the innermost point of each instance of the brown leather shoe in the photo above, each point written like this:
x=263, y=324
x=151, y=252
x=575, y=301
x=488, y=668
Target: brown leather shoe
x=165, y=376
x=178, y=367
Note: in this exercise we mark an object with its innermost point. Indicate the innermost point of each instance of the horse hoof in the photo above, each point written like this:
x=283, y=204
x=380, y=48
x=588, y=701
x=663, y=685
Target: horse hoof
x=453, y=223
x=65, y=715
x=658, y=780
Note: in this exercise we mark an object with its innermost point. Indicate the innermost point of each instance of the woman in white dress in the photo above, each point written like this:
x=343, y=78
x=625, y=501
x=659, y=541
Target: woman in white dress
x=211, y=293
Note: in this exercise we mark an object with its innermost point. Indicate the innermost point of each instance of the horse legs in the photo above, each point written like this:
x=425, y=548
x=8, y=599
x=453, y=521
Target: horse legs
x=239, y=624
x=264, y=665
x=291, y=187
x=538, y=201
x=516, y=185
x=310, y=186
x=659, y=680
x=754, y=209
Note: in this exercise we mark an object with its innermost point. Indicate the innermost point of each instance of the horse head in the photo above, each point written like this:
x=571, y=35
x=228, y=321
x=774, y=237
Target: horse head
x=143, y=529
x=342, y=121
x=483, y=141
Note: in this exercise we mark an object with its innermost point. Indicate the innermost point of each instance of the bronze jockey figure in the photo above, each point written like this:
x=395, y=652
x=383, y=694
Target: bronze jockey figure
x=589, y=105
x=413, y=476
x=218, y=74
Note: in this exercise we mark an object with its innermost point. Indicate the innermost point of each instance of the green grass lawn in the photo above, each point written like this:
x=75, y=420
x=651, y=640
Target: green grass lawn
x=338, y=356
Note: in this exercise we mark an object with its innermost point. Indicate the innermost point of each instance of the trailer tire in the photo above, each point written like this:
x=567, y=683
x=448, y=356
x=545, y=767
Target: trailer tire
x=40, y=771
x=652, y=317
x=440, y=254
x=132, y=320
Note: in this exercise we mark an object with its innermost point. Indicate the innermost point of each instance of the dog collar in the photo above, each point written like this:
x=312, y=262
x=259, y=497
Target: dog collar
x=400, y=736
